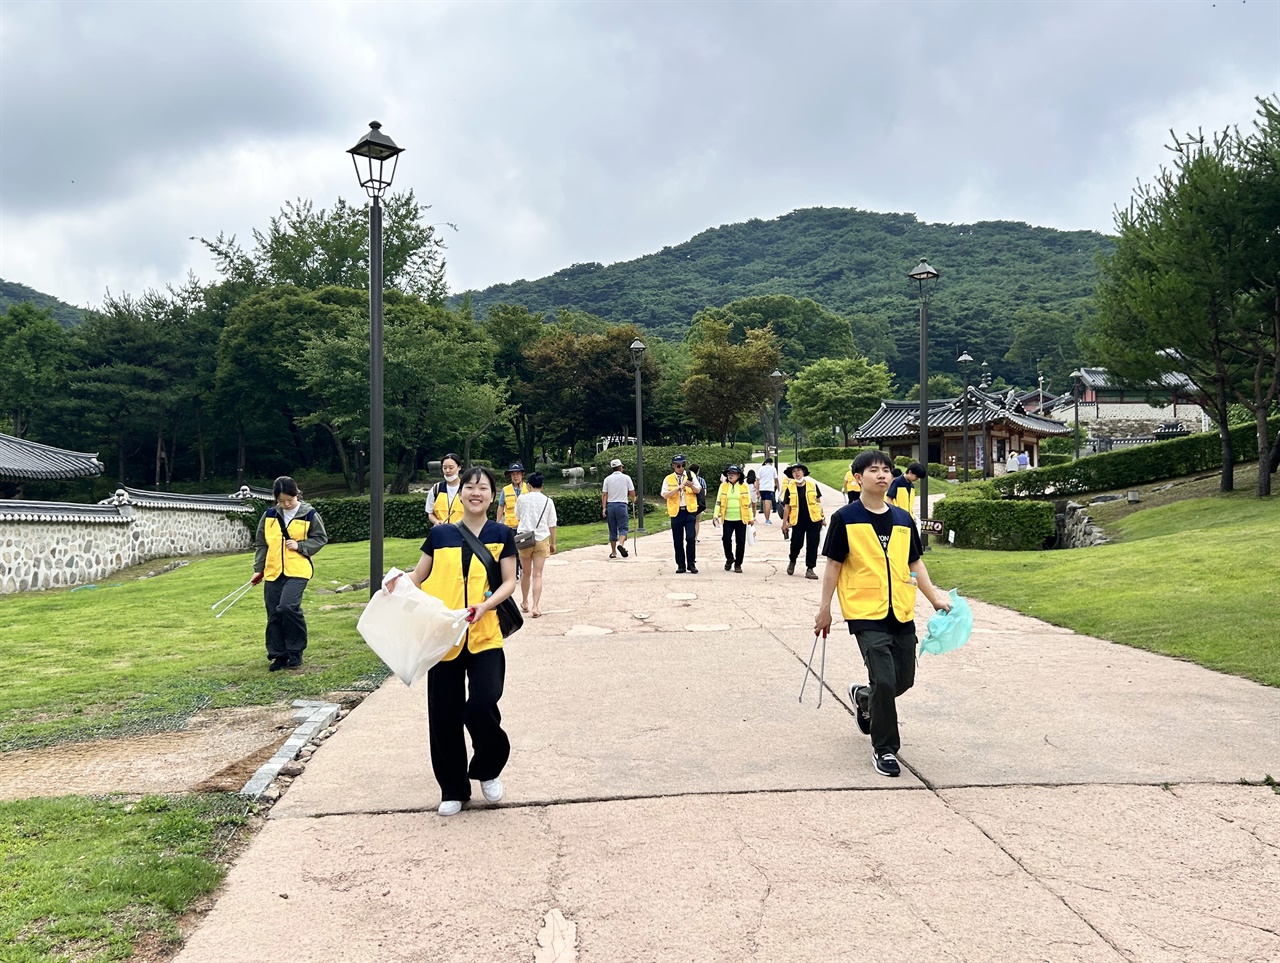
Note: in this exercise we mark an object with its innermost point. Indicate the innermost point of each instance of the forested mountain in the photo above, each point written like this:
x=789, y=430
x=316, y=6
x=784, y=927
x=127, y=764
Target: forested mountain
x=853, y=263
x=11, y=292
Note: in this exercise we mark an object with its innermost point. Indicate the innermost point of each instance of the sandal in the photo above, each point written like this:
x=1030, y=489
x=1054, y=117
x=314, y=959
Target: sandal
x=537, y=615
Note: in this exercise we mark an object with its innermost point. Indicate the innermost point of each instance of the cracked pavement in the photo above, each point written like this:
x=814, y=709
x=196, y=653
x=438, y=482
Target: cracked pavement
x=1062, y=798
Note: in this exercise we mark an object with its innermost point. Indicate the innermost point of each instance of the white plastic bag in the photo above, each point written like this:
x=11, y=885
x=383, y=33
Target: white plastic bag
x=408, y=629
x=751, y=534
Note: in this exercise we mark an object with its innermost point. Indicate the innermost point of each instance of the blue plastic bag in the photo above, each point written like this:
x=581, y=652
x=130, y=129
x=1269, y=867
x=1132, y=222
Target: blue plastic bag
x=948, y=630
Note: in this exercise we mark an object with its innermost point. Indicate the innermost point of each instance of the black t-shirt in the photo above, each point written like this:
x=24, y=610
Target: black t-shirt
x=837, y=549
x=802, y=503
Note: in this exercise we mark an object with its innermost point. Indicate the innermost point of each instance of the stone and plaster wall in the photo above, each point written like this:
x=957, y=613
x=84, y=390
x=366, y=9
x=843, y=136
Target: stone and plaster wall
x=48, y=554
x=1078, y=530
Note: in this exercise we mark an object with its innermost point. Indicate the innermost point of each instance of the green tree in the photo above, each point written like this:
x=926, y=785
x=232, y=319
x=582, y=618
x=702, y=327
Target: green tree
x=511, y=330
x=940, y=386
x=34, y=352
x=837, y=393
x=312, y=249
x=728, y=382
x=805, y=331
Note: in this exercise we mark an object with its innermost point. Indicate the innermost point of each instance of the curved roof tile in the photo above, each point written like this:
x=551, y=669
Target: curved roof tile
x=29, y=460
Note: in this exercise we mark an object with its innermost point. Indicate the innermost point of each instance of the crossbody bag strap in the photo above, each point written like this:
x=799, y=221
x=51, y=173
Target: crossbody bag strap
x=481, y=551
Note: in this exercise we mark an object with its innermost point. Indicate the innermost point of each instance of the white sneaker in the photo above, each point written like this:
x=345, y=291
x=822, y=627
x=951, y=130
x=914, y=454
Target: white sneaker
x=450, y=807
x=491, y=789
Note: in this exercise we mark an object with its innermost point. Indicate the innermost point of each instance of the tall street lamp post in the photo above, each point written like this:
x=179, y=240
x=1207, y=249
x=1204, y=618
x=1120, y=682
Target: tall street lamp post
x=985, y=384
x=1077, y=379
x=963, y=363
x=637, y=355
x=776, y=378
x=370, y=157
x=922, y=273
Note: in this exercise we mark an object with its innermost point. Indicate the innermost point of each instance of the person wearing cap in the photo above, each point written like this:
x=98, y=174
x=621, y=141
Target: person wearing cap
x=511, y=493
x=802, y=515
x=680, y=489
x=851, y=485
x=616, y=496
x=766, y=489
x=734, y=512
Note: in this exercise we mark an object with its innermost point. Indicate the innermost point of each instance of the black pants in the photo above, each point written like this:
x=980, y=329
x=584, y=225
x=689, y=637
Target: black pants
x=891, y=670
x=734, y=530
x=450, y=708
x=807, y=534
x=684, y=535
x=853, y=496
x=286, y=625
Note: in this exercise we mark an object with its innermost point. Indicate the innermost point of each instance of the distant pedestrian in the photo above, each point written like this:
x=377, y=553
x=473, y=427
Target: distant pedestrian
x=696, y=472
x=1012, y=463
x=755, y=489
x=535, y=513
x=680, y=489
x=851, y=486
x=802, y=515
x=902, y=489
x=733, y=511
x=767, y=482
x=1024, y=460
x=616, y=497
x=510, y=494
x=463, y=689
x=289, y=533
x=874, y=565
x=443, y=505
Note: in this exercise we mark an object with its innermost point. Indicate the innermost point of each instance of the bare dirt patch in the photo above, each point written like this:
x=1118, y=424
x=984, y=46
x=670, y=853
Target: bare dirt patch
x=207, y=755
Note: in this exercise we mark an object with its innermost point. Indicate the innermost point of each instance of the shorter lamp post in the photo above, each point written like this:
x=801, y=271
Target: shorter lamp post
x=370, y=156
x=963, y=363
x=1077, y=377
x=777, y=378
x=923, y=272
x=984, y=385
x=637, y=355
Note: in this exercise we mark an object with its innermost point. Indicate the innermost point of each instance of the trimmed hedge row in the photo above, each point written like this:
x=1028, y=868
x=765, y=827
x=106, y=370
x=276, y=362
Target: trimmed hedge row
x=1009, y=526
x=1139, y=465
x=710, y=459
x=808, y=455
x=1049, y=459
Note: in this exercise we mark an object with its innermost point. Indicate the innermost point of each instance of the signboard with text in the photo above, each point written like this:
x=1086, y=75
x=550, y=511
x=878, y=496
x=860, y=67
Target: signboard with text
x=929, y=527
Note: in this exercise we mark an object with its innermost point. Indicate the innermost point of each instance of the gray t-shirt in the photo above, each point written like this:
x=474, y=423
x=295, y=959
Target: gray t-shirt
x=617, y=486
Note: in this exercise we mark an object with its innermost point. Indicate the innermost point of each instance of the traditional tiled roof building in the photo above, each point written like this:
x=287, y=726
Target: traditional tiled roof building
x=22, y=460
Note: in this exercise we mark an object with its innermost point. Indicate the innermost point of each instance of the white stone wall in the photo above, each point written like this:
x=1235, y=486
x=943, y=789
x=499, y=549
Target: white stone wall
x=41, y=555
x=1192, y=417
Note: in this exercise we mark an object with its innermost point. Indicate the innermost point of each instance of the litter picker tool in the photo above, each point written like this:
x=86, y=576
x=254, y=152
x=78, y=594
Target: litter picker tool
x=231, y=598
x=822, y=669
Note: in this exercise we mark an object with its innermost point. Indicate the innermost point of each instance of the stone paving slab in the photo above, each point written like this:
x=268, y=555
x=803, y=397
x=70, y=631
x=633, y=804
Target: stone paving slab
x=875, y=875
x=618, y=716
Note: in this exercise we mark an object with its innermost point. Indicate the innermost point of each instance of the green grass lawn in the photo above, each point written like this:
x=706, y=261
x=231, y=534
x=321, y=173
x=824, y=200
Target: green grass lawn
x=145, y=655
x=87, y=879
x=1196, y=579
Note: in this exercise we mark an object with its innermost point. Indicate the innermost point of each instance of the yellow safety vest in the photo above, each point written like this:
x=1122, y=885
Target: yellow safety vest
x=444, y=510
x=673, y=499
x=509, y=499
x=791, y=496
x=850, y=485
x=447, y=584
x=743, y=493
x=280, y=558
x=871, y=576
x=903, y=496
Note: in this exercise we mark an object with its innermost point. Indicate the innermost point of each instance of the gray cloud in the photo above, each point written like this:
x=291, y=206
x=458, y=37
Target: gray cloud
x=557, y=133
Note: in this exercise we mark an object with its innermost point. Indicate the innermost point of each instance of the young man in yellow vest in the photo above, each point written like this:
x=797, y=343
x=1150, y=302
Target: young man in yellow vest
x=874, y=566
x=902, y=489
x=510, y=494
x=851, y=486
x=802, y=516
x=680, y=489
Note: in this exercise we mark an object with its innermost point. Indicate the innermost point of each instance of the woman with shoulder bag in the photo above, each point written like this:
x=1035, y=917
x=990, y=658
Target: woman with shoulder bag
x=535, y=540
x=455, y=568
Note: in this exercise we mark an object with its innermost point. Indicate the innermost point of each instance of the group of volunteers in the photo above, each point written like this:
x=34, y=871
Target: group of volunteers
x=469, y=562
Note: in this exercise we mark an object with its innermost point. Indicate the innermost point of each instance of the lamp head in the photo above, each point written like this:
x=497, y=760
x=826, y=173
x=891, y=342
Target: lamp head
x=370, y=157
x=923, y=272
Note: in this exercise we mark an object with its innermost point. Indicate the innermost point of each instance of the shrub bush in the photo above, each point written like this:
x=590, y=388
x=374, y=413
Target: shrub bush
x=810, y=455
x=1008, y=526
x=975, y=489
x=1049, y=459
x=1128, y=467
x=712, y=459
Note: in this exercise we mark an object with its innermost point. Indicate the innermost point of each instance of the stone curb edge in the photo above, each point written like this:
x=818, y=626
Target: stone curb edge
x=312, y=718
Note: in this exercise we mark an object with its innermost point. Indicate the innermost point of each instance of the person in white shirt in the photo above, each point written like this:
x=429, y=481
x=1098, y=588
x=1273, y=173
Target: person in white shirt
x=535, y=512
x=616, y=495
x=767, y=484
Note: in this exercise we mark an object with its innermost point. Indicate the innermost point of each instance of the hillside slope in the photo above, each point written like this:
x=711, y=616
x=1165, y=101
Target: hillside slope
x=11, y=292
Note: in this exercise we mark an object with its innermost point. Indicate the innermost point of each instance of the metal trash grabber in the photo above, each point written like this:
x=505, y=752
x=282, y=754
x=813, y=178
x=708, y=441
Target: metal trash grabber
x=234, y=596
x=822, y=671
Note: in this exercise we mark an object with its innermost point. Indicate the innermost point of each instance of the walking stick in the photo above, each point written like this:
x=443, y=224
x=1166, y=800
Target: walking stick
x=822, y=671
x=233, y=597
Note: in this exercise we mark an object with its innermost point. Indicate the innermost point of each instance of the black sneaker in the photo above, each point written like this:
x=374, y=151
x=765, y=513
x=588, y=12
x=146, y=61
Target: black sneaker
x=728, y=565
x=791, y=567
x=886, y=763
x=294, y=662
x=693, y=569
x=859, y=713
x=738, y=569
x=276, y=665
x=680, y=571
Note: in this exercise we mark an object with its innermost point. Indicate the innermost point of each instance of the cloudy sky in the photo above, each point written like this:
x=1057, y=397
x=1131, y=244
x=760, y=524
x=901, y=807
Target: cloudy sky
x=554, y=133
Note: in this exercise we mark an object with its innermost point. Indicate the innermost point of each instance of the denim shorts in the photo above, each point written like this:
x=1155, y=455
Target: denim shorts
x=616, y=515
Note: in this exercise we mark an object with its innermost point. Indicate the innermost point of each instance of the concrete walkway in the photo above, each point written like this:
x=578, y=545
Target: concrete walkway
x=668, y=799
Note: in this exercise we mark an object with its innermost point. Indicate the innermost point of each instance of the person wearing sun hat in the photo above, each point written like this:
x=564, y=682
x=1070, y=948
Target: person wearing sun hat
x=511, y=493
x=802, y=515
x=733, y=511
x=616, y=495
x=680, y=489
